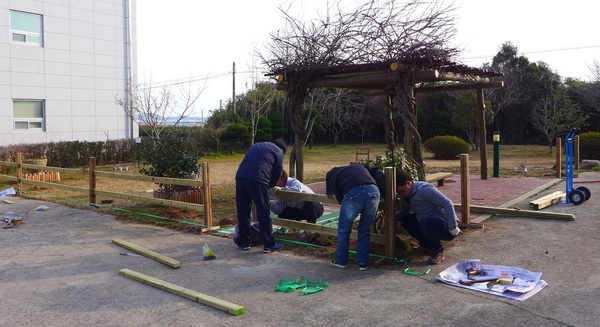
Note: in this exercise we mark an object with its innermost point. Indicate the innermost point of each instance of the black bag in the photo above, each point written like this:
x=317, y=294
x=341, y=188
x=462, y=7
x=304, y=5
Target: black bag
x=254, y=233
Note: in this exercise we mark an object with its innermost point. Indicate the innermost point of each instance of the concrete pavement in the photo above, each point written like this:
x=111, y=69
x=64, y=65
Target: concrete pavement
x=61, y=269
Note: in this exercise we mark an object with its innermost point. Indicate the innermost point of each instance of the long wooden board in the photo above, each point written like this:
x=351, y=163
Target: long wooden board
x=148, y=253
x=184, y=292
x=519, y=213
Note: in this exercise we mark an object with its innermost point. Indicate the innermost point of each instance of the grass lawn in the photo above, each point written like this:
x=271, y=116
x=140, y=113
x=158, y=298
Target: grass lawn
x=318, y=161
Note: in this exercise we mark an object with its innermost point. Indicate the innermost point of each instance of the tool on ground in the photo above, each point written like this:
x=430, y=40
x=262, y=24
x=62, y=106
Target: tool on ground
x=490, y=281
x=12, y=222
x=131, y=254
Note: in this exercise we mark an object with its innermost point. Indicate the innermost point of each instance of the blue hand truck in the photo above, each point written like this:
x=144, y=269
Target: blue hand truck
x=579, y=195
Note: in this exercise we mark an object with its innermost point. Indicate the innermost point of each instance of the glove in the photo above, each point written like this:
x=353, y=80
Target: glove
x=454, y=231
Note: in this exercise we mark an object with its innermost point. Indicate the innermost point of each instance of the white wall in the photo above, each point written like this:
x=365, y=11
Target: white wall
x=78, y=72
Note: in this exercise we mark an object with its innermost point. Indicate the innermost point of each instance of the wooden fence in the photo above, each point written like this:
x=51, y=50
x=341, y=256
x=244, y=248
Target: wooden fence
x=92, y=191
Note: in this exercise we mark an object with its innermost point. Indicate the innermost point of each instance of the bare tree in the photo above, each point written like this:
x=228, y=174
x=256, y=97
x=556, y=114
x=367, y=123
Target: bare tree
x=554, y=113
x=338, y=112
x=260, y=99
x=152, y=106
x=591, y=92
x=214, y=133
x=595, y=70
x=377, y=30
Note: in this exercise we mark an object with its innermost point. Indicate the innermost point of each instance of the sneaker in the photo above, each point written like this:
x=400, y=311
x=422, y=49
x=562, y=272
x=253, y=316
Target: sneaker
x=244, y=248
x=363, y=267
x=337, y=264
x=276, y=247
x=436, y=258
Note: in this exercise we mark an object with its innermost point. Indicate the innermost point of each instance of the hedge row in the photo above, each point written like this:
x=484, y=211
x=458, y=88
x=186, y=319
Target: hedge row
x=74, y=153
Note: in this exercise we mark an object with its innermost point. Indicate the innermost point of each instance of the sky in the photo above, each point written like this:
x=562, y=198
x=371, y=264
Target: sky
x=183, y=40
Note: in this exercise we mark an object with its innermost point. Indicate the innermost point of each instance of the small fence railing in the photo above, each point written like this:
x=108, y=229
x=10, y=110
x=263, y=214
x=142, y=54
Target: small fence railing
x=203, y=184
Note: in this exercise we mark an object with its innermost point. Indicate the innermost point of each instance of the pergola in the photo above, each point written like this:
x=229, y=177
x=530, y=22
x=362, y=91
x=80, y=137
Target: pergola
x=397, y=80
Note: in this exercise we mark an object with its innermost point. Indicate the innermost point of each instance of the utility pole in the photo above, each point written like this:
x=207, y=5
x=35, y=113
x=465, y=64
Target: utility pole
x=233, y=95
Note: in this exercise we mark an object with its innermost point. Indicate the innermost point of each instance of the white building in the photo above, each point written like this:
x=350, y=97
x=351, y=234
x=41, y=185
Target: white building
x=62, y=63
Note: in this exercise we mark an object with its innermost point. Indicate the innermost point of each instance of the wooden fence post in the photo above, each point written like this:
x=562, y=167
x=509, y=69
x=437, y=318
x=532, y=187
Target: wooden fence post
x=19, y=172
x=576, y=152
x=558, y=157
x=92, y=180
x=206, y=195
x=465, y=189
x=390, y=212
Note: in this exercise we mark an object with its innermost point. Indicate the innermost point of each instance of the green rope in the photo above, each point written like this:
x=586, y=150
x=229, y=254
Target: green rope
x=408, y=270
x=307, y=286
x=182, y=221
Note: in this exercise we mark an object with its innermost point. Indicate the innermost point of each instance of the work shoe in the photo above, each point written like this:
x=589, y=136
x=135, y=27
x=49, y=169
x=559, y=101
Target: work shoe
x=436, y=258
x=363, y=267
x=337, y=264
x=276, y=247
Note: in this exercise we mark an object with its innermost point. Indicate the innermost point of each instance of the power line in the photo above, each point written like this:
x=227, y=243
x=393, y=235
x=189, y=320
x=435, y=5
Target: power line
x=179, y=81
x=539, y=51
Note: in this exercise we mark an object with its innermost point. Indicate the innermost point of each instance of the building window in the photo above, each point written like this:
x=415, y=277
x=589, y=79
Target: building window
x=28, y=114
x=26, y=28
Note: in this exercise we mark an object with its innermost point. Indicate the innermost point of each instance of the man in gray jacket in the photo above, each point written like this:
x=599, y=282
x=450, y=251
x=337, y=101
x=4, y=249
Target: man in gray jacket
x=428, y=216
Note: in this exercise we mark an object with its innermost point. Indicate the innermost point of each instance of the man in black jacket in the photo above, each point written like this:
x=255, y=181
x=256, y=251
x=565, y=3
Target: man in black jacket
x=258, y=172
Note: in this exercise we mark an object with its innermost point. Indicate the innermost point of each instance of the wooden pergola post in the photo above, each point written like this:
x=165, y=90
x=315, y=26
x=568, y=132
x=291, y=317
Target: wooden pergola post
x=206, y=195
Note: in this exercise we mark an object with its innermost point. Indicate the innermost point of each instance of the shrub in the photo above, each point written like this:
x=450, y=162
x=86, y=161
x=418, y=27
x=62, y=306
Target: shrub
x=169, y=156
x=589, y=145
x=400, y=159
x=446, y=146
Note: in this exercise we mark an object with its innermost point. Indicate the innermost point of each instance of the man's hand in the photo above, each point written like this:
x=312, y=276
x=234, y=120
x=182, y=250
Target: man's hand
x=454, y=231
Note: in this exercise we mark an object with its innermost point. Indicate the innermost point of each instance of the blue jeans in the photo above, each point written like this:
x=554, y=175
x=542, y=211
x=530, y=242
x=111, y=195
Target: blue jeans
x=363, y=200
x=429, y=231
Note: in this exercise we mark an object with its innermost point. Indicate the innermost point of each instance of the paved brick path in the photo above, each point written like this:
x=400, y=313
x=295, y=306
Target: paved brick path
x=491, y=192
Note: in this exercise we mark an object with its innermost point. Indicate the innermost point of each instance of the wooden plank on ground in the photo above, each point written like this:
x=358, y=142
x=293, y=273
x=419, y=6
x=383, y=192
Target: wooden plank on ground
x=148, y=253
x=184, y=292
x=548, y=200
x=519, y=213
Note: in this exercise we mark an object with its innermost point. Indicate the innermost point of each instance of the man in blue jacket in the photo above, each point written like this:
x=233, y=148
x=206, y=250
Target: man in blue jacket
x=258, y=172
x=432, y=217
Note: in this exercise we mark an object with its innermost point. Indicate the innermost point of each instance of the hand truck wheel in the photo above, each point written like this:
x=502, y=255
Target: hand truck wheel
x=576, y=197
x=585, y=191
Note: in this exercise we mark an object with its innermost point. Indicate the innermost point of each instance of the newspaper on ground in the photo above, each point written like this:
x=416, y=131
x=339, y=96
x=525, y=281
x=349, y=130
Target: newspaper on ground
x=510, y=282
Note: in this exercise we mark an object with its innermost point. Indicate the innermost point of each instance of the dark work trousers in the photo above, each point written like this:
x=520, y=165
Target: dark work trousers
x=246, y=192
x=310, y=212
x=428, y=232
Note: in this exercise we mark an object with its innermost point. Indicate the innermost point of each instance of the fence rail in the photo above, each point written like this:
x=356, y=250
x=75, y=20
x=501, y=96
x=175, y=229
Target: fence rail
x=203, y=184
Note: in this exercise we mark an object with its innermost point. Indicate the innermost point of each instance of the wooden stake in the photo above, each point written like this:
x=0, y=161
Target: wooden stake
x=184, y=292
x=147, y=253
